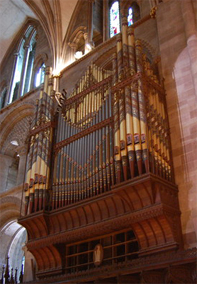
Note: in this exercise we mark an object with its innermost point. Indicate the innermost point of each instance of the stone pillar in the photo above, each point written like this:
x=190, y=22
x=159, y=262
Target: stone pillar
x=5, y=163
x=90, y=22
x=73, y=49
x=191, y=36
x=9, y=98
x=22, y=151
x=105, y=20
x=30, y=266
x=24, y=70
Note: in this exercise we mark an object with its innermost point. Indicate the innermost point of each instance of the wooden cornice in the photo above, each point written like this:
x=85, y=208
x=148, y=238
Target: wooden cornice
x=165, y=261
x=144, y=199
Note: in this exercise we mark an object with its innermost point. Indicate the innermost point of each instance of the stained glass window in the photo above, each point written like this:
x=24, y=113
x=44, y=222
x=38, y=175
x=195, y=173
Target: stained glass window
x=40, y=75
x=114, y=19
x=130, y=17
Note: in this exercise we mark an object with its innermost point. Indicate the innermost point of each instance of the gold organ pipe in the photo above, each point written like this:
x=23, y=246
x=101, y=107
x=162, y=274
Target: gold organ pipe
x=142, y=112
x=123, y=148
x=129, y=131
x=131, y=50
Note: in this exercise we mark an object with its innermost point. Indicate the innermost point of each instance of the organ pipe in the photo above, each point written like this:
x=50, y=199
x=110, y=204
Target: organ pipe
x=112, y=127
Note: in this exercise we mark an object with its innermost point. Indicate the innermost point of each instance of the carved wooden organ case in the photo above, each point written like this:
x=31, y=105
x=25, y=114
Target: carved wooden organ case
x=100, y=163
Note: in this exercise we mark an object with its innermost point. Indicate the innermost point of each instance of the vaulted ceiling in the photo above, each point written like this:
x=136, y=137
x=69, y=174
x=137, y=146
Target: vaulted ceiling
x=53, y=15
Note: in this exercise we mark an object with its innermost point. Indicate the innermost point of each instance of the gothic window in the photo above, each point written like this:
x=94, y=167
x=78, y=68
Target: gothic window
x=23, y=65
x=28, y=75
x=130, y=16
x=114, y=19
x=133, y=14
x=39, y=79
x=17, y=72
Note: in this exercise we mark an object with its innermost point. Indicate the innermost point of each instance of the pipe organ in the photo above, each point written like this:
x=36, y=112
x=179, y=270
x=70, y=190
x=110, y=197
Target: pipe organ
x=84, y=140
x=99, y=174
x=111, y=128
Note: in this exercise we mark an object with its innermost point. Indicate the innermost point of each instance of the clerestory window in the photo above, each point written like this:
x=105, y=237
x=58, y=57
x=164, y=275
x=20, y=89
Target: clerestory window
x=39, y=78
x=133, y=15
x=130, y=16
x=23, y=65
x=114, y=19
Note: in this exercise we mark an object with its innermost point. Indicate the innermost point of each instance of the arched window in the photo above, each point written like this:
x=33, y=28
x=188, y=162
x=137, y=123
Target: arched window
x=28, y=75
x=133, y=14
x=23, y=65
x=17, y=72
x=130, y=16
x=39, y=78
x=114, y=19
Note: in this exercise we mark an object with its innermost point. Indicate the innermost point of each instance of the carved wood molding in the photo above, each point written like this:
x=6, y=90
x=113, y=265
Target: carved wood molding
x=147, y=204
x=93, y=230
x=41, y=127
x=183, y=264
x=128, y=203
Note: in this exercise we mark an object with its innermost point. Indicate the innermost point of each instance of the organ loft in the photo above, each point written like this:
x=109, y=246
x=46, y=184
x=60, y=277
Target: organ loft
x=100, y=198
x=100, y=171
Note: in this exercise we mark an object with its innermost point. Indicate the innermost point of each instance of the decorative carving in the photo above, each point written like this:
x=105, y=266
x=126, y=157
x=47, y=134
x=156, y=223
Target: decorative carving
x=153, y=276
x=153, y=12
x=180, y=274
x=60, y=98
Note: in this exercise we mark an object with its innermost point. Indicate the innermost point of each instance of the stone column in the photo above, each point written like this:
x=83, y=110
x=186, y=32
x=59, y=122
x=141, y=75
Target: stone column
x=9, y=98
x=73, y=49
x=88, y=39
x=22, y=151
x=30, y=266
x=105, y=21
x=24, y=70
x=5, y=163
x=191, y=36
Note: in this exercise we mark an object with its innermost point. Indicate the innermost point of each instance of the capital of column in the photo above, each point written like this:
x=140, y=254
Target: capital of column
x=26, y=46
x=73, y=45
x=16, y=54
x=124, y=20
x=48, y=70
x=85, y=35
x=22, y=150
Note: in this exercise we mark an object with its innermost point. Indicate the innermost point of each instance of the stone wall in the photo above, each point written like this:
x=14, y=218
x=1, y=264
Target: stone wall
x=182, y=107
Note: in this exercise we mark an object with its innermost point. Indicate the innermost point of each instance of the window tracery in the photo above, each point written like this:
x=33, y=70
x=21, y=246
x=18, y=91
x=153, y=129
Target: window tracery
x=23, y=65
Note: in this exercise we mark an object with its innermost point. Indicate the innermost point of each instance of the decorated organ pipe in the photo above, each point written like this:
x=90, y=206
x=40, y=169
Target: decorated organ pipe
x=112, y=127
x=39, y=156
x=142, y=109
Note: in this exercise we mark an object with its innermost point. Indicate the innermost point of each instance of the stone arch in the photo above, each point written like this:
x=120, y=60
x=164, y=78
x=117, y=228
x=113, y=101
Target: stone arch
x=77, y=41
x=12, y=235
x=16, y=120
x=13, y=144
